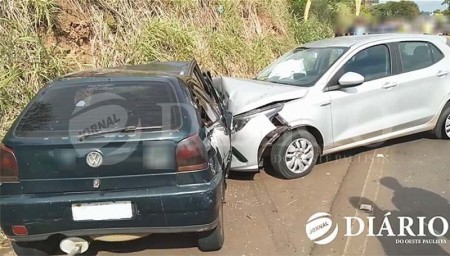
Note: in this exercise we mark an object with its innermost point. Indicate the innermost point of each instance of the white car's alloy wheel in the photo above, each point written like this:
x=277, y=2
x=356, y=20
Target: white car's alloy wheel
x=299, y=155
x=447, y=126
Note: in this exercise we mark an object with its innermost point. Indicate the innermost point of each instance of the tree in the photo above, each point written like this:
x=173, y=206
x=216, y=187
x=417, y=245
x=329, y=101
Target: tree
x=307, y=8
x=446, y=2
x=300, y=8
x=358, y=7
x=408, y=9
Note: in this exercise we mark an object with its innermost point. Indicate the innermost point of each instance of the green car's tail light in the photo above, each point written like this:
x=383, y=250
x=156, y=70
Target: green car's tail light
x=9, y=172
x=19, y=230
x=191, y=155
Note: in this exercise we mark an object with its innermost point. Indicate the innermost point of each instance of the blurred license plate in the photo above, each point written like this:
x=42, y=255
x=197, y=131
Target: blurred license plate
x=102, y=211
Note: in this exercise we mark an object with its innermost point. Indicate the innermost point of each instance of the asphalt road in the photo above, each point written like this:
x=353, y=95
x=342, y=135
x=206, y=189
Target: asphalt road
x=266, y=216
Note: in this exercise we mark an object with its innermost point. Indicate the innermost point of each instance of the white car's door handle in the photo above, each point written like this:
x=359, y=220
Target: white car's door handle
x=389, y=85
x=325, y=103
x=442, y=73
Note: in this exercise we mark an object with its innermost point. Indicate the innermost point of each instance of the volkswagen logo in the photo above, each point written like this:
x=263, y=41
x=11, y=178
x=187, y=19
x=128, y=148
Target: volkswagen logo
x=94, y=159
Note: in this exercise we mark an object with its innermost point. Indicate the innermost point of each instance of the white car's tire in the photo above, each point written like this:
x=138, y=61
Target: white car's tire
x=295, y=154
x=442, y=130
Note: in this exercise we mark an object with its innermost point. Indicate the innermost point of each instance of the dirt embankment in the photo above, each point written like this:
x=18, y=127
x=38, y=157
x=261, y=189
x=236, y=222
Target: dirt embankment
x=41, y=40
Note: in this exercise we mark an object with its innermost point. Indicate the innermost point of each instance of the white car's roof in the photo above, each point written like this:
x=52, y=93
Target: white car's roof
x=349, y=41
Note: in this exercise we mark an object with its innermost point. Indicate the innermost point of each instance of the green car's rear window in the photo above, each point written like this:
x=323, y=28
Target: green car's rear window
x=86, y=108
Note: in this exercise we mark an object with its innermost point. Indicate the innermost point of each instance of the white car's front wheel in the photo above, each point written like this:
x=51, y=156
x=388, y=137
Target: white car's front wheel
x=442, y=130
x=294, y=154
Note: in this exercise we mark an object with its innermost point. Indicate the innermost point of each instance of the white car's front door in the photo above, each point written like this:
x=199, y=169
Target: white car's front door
x=365, y=111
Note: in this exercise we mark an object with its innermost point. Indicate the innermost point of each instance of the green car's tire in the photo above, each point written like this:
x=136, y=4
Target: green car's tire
x=39, y=248
x=213, y=240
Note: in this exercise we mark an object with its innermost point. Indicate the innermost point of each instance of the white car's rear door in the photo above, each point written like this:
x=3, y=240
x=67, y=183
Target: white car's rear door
x=422, y=84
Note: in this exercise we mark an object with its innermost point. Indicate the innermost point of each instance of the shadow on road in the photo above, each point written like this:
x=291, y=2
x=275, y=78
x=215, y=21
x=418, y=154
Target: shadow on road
x=241, y=175
x=410, y=202
x=155, y=241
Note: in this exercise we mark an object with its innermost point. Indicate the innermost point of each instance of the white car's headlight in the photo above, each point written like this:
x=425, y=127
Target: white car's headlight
x=241, y=120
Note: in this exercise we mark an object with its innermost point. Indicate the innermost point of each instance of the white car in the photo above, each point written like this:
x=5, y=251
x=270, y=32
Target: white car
x=336, y=94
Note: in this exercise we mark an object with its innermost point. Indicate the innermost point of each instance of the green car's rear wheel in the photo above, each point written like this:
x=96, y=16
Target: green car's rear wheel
x=213, y=240
x=38, y=248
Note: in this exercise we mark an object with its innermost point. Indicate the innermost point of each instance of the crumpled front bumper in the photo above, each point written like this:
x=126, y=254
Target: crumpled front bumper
x=246, y=143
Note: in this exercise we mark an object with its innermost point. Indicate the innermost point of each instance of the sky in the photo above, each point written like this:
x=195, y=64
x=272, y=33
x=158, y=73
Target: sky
x=427, y=5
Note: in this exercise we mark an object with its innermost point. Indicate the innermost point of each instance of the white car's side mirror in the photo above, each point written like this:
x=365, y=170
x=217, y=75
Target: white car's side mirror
x=350, y=79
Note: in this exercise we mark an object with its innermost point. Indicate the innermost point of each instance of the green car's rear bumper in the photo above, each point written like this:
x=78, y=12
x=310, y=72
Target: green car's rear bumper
x=174, y=209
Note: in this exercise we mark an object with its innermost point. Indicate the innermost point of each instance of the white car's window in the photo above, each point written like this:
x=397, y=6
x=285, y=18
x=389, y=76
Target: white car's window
x=302, y=66
x=415, y=55
x=437, y=54
x=372, y=63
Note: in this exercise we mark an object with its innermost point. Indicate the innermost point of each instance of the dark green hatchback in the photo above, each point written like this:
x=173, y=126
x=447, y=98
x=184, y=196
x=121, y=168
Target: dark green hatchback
x=116, y=154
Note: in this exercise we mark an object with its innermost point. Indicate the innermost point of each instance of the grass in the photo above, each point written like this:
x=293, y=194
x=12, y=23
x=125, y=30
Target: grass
x=26, y=63
x=42, y=39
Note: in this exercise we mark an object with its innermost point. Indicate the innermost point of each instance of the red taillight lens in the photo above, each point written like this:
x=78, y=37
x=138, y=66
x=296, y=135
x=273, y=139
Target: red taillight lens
x=8, y=165
x=191, y=155
x=19, y=230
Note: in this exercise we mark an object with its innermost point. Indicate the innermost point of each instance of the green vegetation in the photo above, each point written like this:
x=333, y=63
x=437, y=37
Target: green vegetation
x=447, y=2
x=42, y=39
x=391, y=9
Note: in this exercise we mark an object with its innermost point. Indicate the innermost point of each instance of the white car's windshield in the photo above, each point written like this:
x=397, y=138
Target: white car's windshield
x=301, y=66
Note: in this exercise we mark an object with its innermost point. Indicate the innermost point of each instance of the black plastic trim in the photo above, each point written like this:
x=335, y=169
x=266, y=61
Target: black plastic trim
x=239, y=155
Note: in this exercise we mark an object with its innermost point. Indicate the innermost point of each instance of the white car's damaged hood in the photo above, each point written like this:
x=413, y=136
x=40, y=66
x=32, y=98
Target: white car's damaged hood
x=244, y=95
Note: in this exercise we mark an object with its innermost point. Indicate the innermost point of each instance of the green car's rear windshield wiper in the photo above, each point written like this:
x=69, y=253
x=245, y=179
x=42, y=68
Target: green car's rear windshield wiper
x=124, y=129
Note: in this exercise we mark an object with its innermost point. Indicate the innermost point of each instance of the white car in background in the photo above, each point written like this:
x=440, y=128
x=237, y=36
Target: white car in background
x=336, y=94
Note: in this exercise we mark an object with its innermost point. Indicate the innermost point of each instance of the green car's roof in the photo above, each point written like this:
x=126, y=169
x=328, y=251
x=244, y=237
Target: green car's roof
x=174, y=68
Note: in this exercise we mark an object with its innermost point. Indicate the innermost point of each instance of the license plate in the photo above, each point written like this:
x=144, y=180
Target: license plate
x=102, y=211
